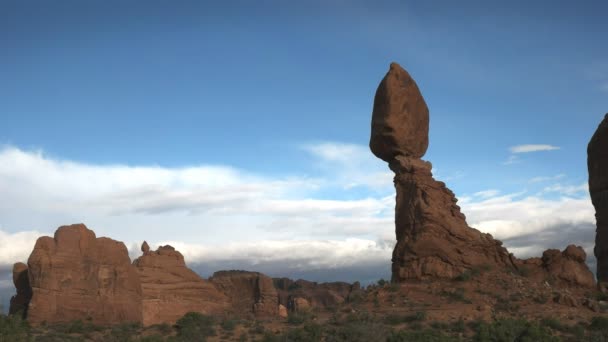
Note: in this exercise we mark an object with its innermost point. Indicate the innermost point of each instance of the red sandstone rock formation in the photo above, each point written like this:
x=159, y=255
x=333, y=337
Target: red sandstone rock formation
x=565, y=269
x=20, y=301
x=248, y=292
x=75, y=275
x=301, y=293
x=433, y=238
x=597, y=164
x=400, y=119
x=170, y=289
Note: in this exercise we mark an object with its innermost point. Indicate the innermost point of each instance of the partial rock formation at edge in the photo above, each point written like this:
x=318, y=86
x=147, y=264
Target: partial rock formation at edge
x=597, y=164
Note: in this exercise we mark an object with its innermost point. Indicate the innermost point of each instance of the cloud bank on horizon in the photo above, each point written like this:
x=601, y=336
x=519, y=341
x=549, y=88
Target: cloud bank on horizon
x=220, y=216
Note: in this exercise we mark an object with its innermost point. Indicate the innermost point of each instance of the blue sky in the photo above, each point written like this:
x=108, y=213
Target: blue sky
x=245, y=125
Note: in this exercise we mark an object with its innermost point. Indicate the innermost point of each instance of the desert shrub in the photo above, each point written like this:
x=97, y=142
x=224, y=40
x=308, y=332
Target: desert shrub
x=297, y=318
x=464, y=276
x=125, y=332
x=163, y=328
x=512, y=330
x=382, y=282
x=419, y=336
x=599, y=323
x=257, y=328
x=195, y=326
x=13, y=328
x=457, y=295
x=53, y=336
x=362, y=331
x=229, y=324
x=394, y=319
x=152, y=338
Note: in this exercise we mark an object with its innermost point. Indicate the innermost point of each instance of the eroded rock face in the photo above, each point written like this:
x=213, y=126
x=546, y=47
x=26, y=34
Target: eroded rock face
x=293, y=294
x=400, y=119
x=568, y=267
x=170, y=289
x=75, y=275
x=433, y=238
x=248, y=291
x=597, y=164
x=19, y=302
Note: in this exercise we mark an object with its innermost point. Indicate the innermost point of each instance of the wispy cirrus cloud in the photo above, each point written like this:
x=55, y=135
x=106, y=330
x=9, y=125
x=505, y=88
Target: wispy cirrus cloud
x=532, y=148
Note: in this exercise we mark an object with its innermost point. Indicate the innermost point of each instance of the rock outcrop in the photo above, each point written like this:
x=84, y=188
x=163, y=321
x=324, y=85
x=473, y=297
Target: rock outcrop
x=597, y=164
x=249, y=292
x=400, y=119
x=75, y=275
x=565, y=268
x=433, y=238
x=302, y=293
x=170, y=289
x=19, y=302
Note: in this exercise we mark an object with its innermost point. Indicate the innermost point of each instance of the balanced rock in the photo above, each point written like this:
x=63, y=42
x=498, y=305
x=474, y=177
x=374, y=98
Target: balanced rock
x=75, y=275
x=19, y=302
x=171, y=289
x=597, y=164
x=433, y=238
x=145, y=248
x=250, y=292
x=400, y=119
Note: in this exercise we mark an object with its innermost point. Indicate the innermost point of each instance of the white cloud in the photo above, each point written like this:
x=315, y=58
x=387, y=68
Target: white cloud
x=532, y=148
x=568, y=189
x=513, y=159
x=304, y=254
x=546, y=179
x=219, y=213
x=352, y=166
x=487, y=193
x=16, y=247
x=510, y=215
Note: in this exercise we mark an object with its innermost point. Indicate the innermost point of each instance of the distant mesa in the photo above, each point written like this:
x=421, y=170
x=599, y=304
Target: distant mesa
x=597, y=164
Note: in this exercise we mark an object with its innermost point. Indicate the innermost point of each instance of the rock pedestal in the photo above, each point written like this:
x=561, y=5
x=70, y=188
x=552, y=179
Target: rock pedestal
x=433, y=238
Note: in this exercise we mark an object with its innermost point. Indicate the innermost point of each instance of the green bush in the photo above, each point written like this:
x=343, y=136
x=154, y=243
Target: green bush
x=195, y=326
x=229, y=324
x=394, y=319
x=297, y=318
x=362, y=331
x=13, y=328
x=419, y=336
x=512, y=330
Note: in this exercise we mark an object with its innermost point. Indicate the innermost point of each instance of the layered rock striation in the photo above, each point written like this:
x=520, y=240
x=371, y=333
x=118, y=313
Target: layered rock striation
x=597, y=164
x=170, y=289
x=75, y=275
x=248, y=292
